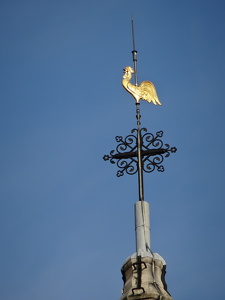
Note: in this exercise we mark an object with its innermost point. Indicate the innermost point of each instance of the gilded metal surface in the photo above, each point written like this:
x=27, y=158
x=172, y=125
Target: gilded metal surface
x=145, y=91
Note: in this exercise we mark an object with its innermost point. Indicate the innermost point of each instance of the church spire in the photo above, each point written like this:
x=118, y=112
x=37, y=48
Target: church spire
x=144, y=271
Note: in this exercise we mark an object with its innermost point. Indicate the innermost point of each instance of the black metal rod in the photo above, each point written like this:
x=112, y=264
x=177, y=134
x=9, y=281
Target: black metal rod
x=134, y=52
x=139, y=148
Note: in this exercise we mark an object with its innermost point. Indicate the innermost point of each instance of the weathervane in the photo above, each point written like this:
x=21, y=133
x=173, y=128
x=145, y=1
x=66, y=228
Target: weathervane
x=139, y=151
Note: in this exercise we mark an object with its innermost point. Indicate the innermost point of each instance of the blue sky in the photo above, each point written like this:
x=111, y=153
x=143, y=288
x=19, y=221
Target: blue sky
x=67, y=221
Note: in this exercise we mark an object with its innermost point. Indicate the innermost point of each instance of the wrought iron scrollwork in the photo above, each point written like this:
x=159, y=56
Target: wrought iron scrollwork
x=153, y=152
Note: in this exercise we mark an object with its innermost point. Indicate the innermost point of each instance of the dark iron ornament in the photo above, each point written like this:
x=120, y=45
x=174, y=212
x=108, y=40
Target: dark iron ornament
x=153, y=152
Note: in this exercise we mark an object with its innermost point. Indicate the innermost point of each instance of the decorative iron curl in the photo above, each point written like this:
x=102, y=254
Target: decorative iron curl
x=129, y=143
x=148, y=139
x=153, y=152
x=149, y=165
x=129, y=167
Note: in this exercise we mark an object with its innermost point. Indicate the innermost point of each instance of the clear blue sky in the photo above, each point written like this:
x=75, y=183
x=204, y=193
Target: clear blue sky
x=67, y=221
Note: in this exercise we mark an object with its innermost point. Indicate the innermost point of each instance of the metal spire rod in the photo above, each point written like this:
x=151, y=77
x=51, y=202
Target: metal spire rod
x=138, y=116
x=134, y=52
x=139, y=154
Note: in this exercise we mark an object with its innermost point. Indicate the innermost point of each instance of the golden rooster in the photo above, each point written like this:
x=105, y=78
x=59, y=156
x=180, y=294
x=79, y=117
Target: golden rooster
x=145, y=91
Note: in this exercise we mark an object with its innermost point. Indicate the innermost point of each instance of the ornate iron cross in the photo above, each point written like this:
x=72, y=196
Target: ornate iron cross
x=152, y=153
x=139, y=151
